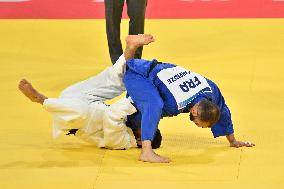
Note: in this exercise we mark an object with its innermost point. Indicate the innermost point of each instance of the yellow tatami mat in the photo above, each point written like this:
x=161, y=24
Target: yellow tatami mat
x=244, y=57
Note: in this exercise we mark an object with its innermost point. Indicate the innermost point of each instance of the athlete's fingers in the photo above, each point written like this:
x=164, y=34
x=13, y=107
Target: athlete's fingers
x=249, y=144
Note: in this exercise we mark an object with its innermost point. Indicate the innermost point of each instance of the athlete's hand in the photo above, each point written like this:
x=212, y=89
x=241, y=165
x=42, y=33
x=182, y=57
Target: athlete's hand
x=238, y=144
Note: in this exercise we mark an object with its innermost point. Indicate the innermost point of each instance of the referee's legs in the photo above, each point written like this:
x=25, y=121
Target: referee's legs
x=113, y=13
x=136, y=12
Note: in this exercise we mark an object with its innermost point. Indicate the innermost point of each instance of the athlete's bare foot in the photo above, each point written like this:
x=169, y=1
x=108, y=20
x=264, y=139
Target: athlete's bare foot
x=152, y=157
x=30, y=92
x=148, y=155
x=136, y=41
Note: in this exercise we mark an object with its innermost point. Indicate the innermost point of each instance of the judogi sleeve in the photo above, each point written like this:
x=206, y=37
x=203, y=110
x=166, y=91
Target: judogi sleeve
x=116, y=134
x=224, y=126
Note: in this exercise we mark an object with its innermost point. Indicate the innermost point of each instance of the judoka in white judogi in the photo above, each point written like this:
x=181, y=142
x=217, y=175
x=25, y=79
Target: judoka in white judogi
x=81, y=106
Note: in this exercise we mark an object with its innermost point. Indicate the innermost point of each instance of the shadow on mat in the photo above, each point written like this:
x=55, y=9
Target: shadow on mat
x=181, y=148
x=63, y=155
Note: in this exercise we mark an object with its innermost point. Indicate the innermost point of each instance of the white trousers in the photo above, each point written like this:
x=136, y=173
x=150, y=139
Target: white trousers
x=81, y=107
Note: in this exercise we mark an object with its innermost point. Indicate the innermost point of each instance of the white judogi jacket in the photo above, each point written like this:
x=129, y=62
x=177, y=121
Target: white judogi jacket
x=81, y=106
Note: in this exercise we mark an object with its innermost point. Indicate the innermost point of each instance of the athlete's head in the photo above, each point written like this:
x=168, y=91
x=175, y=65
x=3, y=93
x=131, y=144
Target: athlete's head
x=205, y=114
x=156, y=143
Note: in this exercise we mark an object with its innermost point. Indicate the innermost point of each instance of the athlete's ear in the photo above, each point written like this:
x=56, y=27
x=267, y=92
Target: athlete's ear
x=193, y=110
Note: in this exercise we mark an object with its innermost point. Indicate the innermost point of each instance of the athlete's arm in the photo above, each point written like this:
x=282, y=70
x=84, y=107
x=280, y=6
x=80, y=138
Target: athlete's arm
x=235, y=143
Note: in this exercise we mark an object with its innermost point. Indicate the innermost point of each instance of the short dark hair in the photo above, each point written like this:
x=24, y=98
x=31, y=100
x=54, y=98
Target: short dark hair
x=208, y=111
x=156, y=142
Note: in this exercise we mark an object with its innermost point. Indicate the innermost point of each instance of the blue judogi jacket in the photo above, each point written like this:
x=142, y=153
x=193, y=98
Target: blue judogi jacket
x=142, y=67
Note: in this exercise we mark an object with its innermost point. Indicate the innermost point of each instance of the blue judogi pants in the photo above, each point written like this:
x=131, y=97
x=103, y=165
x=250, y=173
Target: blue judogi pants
x=147, y=100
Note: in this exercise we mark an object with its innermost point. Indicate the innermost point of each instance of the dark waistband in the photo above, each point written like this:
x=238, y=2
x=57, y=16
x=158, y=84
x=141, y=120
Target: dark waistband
x=154, y=63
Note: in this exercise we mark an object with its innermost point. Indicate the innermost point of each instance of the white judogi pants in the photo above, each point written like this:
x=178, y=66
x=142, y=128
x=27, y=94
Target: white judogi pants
x=81, y=106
